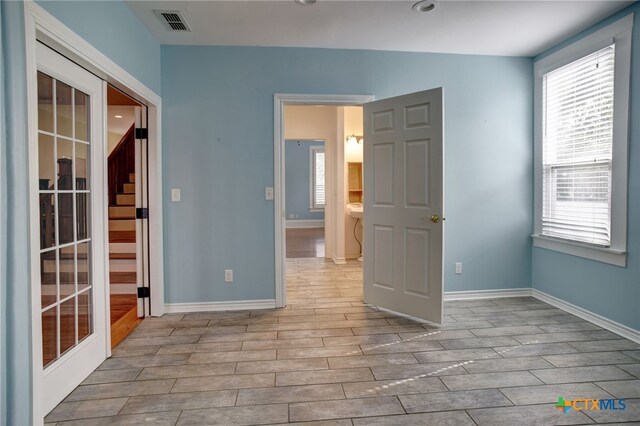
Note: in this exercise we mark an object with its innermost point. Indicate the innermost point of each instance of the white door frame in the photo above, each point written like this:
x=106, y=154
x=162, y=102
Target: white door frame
x=40, y=25
x=279, y=102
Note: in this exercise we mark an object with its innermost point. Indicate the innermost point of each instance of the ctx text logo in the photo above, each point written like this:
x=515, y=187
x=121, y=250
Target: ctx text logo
x=586, y=404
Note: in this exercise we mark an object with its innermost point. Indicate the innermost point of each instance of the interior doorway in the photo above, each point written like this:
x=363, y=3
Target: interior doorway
x=69, y=258
x=307, y=120
x=126, y=175
x=305, y=198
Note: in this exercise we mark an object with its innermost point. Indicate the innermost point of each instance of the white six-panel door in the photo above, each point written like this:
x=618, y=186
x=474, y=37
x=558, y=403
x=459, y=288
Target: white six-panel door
x=403, y=204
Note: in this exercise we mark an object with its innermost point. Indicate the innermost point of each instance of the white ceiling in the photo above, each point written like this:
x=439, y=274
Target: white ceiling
x=506, y=28
x=120, y=126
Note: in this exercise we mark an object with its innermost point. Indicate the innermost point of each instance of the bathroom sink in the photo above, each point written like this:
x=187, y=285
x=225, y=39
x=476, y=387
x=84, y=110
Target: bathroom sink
x=355, y=210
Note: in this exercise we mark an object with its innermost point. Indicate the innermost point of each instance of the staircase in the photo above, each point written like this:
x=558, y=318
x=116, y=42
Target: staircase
x=122, y=240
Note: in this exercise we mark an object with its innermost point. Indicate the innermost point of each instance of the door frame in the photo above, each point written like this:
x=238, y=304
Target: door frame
x=280, y=100
x=42, y=26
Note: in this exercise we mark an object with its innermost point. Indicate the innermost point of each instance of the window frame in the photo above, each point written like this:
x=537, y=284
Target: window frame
x=313, y=207
x=619, y=32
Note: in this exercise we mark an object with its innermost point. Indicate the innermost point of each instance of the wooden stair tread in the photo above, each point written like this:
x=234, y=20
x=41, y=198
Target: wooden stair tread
x=122, y=277
x=122, y=236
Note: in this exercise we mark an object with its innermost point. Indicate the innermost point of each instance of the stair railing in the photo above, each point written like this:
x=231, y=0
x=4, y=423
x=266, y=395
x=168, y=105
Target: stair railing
x=121, y=163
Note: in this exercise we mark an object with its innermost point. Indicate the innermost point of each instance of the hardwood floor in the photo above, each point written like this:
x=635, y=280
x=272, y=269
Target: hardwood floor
x=124, y=317
x=329, y=358
x=305, y=242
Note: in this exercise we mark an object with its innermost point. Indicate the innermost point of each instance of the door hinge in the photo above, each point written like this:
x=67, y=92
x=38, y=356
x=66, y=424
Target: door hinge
x=143, y=292
x=141, y=133
x=142, y=213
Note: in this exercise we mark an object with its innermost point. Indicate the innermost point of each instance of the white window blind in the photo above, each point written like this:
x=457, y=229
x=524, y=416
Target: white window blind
x=577, y=120
x=318, y=179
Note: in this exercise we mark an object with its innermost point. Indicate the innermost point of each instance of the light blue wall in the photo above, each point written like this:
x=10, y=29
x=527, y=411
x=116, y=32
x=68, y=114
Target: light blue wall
x=607, y=290
x=297, y=177
x=218, y=147
x=112, y=28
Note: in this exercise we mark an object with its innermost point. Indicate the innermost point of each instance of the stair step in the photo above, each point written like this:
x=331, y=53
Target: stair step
x=65, y=277
x=126, y=199
x=122, y=236
x=122, y=277
x=122, y=248
x=122, y=225
x=122, y=265
x=128, y=212
x=132, y=177
x=113, y=256
x=129, y=188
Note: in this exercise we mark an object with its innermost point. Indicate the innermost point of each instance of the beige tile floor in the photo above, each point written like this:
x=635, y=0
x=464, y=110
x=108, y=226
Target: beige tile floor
x=330, y=359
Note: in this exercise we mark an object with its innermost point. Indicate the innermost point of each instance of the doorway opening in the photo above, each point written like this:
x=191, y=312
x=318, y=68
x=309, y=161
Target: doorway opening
x=302, y=121
x=125, y=175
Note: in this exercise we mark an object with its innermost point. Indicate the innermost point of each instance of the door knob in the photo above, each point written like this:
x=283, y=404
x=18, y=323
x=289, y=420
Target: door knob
x=434, y=218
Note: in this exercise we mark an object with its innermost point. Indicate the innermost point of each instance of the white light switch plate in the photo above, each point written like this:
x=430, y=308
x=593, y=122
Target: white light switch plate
x=268, y=193
x=175, y=195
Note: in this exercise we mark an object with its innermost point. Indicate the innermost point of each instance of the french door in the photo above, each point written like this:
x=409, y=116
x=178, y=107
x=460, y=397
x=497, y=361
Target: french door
x=70, y=207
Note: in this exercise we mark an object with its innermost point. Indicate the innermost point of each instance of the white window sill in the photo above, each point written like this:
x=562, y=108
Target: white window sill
x=600, y=254
x=311, y=209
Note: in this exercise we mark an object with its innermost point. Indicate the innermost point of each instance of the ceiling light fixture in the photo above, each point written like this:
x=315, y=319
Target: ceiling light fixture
x=305, y=2
x=117, y=116
x=423, y=6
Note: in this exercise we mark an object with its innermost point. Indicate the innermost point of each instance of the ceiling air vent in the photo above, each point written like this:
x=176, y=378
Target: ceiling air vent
x=173, y=20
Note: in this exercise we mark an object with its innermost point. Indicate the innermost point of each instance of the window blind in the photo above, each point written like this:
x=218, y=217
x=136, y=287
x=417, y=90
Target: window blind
x=318, y=179
x=577, y=126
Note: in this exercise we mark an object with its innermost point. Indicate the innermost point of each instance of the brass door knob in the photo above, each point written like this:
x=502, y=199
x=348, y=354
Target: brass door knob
x=434, y=218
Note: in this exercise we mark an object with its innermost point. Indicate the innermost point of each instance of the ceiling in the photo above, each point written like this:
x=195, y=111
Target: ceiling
x=505, y=28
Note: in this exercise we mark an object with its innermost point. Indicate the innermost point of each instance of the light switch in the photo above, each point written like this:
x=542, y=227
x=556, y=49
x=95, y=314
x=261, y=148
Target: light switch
x=268, y=193
x=175, y=195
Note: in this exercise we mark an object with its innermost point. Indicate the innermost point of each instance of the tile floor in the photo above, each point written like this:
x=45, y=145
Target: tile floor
x=330, y=359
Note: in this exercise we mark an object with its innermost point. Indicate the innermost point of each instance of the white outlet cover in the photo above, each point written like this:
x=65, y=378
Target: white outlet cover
x=268, y=193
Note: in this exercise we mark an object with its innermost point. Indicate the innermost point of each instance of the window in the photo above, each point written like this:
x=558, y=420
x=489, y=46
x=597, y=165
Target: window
x=582, y=94
x=317, y=178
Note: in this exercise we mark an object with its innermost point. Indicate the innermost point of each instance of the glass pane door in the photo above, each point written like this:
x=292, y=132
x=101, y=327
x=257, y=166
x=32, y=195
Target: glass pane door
x=64, y=148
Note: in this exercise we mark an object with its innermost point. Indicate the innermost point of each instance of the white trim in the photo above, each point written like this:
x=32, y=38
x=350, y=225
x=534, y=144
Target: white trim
x=306, y=223
x=600, y=254
x=40, y=25
x=619, y=32
x=486, y=294
x=233, y=305
x=613, y=326
x=279, y=102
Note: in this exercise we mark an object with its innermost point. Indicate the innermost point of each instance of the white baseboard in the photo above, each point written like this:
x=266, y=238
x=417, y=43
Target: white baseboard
x=305, y=223
x=487, y=294
x=339, y=260
x=599, y=320
x=232, y=305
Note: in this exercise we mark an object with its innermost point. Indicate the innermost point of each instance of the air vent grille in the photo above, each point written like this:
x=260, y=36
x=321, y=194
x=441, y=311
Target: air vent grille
x=173, y=20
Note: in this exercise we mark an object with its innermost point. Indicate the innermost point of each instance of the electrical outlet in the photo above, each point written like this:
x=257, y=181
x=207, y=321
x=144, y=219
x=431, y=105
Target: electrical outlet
x=268, y=193
x=292, y=216
x=228, y=275
x=458, y=267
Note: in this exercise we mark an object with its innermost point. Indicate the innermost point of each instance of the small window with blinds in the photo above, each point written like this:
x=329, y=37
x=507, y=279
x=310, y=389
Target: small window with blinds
x=577, y=147
x=317, y=178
